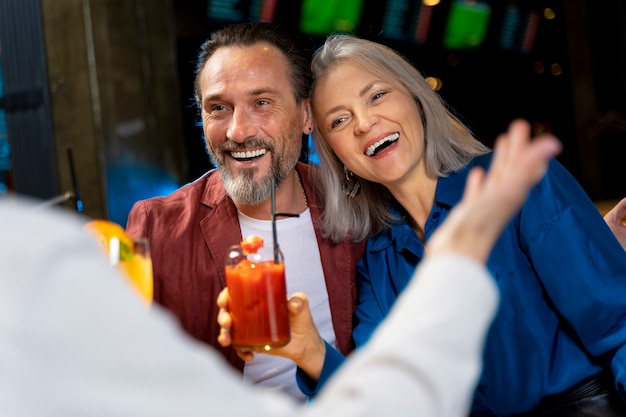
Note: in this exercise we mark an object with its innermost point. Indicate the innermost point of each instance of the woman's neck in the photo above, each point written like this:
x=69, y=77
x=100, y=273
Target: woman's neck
x=417, y=197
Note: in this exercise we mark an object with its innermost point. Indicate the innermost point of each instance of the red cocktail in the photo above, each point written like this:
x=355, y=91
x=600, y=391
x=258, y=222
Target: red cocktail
x=258, y=302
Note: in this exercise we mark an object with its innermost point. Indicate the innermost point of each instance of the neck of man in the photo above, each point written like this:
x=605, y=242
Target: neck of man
x=290, y=198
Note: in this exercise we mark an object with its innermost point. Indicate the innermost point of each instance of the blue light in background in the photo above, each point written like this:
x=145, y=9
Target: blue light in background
x=127, y=184
x=5, y=148
x=313, y=157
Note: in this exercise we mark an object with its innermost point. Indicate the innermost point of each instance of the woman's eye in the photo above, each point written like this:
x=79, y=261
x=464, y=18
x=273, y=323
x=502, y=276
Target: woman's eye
x=337, y=122
x=379, y=95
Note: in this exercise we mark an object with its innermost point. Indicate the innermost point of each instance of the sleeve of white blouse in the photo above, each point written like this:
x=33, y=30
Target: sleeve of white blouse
x=76, y=341
x=425, y=358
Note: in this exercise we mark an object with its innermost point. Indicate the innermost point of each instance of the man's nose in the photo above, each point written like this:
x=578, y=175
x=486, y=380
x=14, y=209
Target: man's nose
x=241, y=127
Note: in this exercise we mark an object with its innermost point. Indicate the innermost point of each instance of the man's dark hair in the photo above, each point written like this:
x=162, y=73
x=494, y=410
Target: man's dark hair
x=247, y=34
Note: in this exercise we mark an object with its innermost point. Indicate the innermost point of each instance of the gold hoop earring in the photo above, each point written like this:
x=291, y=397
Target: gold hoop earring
x=351, y=185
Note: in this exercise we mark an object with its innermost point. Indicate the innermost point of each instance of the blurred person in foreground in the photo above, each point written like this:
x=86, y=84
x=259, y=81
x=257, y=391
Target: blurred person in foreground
x=75, y=339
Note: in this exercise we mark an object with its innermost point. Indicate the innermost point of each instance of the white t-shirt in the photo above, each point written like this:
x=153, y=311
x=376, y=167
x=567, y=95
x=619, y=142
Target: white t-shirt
x=303, y=273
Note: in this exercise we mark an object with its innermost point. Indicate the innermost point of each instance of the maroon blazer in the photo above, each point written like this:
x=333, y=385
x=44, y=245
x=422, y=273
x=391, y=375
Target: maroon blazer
x=189, y=233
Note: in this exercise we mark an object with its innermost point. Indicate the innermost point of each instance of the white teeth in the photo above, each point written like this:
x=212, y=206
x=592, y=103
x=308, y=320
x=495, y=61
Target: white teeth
x=248, y=154
x=372, y=149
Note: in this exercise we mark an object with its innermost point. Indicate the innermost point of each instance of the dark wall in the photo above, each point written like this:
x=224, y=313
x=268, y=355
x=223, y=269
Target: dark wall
x=26, y=99
x=583, y=101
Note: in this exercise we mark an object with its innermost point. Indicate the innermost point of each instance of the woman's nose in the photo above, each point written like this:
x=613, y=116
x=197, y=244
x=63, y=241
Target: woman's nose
x=364, y=121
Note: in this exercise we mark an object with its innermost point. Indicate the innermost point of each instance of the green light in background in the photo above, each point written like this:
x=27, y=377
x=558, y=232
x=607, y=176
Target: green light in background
x=467, y=24
x=323, y=17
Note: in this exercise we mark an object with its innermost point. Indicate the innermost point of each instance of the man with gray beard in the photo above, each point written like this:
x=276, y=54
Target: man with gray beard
x=252, y=91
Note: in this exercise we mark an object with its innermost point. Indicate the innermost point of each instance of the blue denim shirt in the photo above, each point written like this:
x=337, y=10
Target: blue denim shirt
x=562, y=277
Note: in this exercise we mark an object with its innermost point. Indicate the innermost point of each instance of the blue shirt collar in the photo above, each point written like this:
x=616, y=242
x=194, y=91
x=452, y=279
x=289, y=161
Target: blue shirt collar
x=448, y=194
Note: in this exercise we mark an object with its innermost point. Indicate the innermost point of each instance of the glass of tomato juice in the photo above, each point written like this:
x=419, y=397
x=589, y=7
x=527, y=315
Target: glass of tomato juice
x=258, y=300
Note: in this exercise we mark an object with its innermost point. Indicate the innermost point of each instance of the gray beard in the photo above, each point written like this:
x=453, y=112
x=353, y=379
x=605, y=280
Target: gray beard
x=245, y=190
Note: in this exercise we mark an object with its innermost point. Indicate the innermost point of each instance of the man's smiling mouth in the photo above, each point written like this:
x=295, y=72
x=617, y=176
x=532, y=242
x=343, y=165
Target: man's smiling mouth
x=247, y=155
x=382, y=144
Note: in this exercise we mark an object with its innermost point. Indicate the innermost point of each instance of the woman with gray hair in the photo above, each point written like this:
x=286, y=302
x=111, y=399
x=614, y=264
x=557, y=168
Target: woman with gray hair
x=452, y=145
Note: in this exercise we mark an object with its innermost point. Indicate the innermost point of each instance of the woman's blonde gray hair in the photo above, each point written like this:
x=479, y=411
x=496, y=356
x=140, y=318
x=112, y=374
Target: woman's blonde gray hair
x=449, y=144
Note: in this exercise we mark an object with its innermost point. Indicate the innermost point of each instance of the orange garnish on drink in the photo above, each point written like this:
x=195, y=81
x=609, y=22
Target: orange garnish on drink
x=251, y=244
x=105, y=230
x=120, y=248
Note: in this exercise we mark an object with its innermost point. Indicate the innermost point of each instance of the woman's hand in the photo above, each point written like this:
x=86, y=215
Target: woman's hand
x=615, y=219
x=306, y=347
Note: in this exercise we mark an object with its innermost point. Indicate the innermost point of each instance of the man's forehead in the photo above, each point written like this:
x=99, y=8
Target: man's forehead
x=259, y=55
x=251, y=69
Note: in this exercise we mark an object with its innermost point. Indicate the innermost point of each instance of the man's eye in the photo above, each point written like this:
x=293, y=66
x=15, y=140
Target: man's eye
x=216, y=108
x=262, y=103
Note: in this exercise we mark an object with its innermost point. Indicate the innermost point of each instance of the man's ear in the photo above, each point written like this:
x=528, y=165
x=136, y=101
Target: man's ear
x=307, y=117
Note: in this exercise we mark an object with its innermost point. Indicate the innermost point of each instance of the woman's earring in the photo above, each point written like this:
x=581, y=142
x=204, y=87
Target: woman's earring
x=351, y=184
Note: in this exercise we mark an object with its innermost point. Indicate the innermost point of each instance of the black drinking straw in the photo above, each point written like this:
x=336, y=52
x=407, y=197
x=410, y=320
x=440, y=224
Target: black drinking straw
x=274, y=215
x=274, y=235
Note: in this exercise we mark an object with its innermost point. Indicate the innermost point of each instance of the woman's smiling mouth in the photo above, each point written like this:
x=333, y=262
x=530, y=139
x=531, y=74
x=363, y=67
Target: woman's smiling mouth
x=381, y=144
